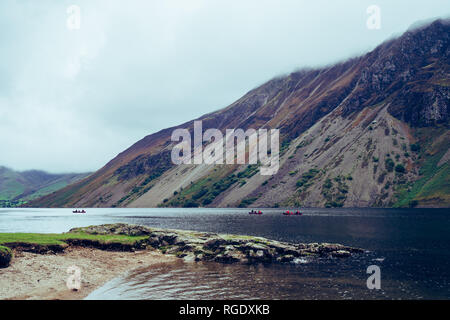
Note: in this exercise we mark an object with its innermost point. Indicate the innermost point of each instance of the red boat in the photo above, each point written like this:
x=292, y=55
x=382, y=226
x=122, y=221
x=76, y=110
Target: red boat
x=291, y=213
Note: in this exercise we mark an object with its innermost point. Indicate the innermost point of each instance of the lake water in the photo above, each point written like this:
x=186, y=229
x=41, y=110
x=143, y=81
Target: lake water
x=411, y=247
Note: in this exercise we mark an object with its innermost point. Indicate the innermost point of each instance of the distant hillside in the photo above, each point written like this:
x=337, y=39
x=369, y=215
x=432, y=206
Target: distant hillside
x=17, y=188
x=372, y=131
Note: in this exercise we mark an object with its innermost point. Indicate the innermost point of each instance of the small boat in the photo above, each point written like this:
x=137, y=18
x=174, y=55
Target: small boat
x=292, y=213
x=78, y=211
x=255, y=212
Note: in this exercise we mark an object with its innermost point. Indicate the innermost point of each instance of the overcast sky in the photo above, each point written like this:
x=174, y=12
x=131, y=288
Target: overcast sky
x=71, y=100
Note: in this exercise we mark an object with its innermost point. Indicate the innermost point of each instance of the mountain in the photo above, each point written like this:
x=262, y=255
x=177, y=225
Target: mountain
x=17, y=188
x=372, y=131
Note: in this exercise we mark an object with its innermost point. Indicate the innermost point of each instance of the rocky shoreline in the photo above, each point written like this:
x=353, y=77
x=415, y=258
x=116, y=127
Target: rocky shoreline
x=34, y=266
x=205, y=246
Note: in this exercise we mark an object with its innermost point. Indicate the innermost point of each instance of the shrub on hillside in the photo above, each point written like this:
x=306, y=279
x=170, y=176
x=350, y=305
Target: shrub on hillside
x=400, y=168
x=415, y=147
x=389, y=163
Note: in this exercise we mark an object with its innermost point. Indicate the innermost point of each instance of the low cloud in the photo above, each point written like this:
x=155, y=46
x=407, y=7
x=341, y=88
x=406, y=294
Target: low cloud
x=70, y=100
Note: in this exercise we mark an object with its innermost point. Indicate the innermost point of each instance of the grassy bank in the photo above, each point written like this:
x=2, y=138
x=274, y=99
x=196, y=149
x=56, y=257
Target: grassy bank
x=60, y=239
x=47, y=243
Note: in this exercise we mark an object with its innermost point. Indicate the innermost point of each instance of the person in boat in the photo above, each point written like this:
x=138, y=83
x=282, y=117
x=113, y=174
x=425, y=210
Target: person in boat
x=259, y=212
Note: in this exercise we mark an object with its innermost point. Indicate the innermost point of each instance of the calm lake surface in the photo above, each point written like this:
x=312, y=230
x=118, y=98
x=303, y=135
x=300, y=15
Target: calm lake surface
x=411, y=246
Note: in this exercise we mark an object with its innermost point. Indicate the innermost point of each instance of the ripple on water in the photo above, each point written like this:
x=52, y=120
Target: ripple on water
x=318, y=279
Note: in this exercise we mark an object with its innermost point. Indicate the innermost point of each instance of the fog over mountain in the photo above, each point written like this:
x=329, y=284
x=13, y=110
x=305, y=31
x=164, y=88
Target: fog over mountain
x=71, y=100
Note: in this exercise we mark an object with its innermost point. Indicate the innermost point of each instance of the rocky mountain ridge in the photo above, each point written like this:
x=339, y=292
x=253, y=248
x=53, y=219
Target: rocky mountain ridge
x=371, y=131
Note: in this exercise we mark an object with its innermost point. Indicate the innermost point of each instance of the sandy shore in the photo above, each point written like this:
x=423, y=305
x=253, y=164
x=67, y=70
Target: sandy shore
x=36, y=276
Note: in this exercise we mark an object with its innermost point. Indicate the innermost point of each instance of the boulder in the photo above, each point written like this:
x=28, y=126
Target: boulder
x=169, y=239
x=257, y=256
x=230, y=257
x=199, y=257
x=214, y=243
x=330, y=247
x=190, y=257
x=251, y=246
x=154, y=241
x=286, y=258
x=173, y=250
x=260, y=253
x=341, y=254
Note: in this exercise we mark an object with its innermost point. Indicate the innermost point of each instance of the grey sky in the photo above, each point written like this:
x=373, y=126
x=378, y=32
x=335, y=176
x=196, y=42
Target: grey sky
x=70, y=100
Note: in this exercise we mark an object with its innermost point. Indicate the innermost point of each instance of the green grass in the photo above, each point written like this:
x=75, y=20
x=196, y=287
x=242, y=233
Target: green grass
x=4, y=250
x=17, y=188
x=433, y=186
x=439, y=184
x=47, y=190
x=11, y=189
x=46, y=239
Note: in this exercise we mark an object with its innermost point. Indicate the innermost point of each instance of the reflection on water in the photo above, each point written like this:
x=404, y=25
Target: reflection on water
x=410, y=245
x=216, y=281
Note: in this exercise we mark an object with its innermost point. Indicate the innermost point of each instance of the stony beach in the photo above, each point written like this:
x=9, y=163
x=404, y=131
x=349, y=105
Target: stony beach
x=39, y=271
